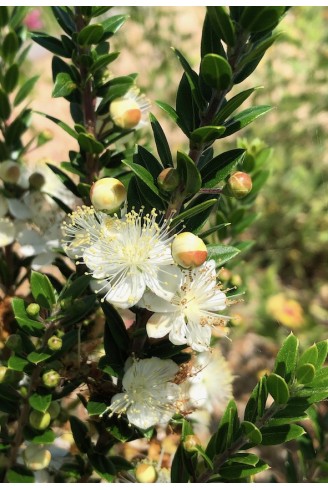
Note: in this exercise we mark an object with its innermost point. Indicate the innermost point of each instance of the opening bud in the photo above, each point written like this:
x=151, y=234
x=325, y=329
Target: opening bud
x=36, y=457
x=55, y=343
x=125, y=112
x=191, y=442
x=239, y=185
x=39, y=420
x=33, y=310
x=51, y=378
x=146, y=473
x=10, y=172
x=188, y=250
x=107, y=194
x=168, y=179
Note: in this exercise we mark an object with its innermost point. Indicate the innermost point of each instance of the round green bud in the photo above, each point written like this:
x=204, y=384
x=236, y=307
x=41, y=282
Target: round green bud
x=36, y=457
x=33, y=310
x=168, y=180
x=146, y=473
x=54, y=410
x=55, y=343
x=39, y=420
x=190, y=443
x=51, y=378
x=14, y=342
x=239, y=185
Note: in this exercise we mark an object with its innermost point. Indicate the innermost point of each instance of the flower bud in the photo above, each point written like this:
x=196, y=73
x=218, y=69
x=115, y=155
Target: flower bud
x=39, y=420
x=107, y=194
x=188, y=250
x=168, y=179
x=33, y=310
x=36, y=457
x=54, y=410
x=10, y=172
x=239, y=185
x=14, y=342
x=36, y=181
x=51, y=378
x=55, y=343
x=125, y=112
x=146, y=473
x=191, y=442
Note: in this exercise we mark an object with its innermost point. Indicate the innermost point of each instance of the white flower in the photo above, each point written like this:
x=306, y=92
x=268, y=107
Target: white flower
x=190, y=315
x=7, y=232
x=211, y=386
x=149, y=396
x=34, y=243
x=131, y=110
x=131, y=254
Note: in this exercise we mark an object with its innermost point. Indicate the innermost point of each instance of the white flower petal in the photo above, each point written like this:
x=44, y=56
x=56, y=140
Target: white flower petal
x=154, y=303
x=32, y=243
x=19, y=209
x=178, y=331
x=165, y=282
x=159, y=325
x=7, y=232
x=43, y=259
x=198, y=337
x=127, y=292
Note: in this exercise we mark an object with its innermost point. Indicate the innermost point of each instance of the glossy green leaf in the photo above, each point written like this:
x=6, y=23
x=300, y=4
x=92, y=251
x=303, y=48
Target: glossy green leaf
x=216, y=71
x=113, y=24
x=278, y=388
x=146, y=159
x=103, y=61
x=96, y=11
x=42, y=290
x=190, y=178
x=37, y=357
x=46, y=437
x=25, y=90
x=64, y=19
x=186, y=107
x=258, y=50
x=40, y=402
x=244, y=118
x=276, y=421
x=206, y=134
x=90, y=34
x=4, y=106
x=75, y=287
x=17, y=363
x=192, y=211
x=173, y=115
x=221, y=253
x=80, y=434
x=251, y=432
x=50, y=43
x=285, y=363
x=10, y=46
x=320, y=379
x=19, y=474
x=96, y=408
x=118, y=330
x=232, y=105
x=310, y=356
x=102, y=465
x=322, y=353
x=179, y=472
x=193, y=80
x=3, y=16
x=143, y=174
x=244, y=458
x=162, y=145
x=305, y=373
x=258, y=19
x=29, y=326
x=11, y=78
x=280, y=434
x=237, y=471
x=222, y=24
x=64, y=85
x=217, y=169
x=60, y=123
x=89, y=144
x=255, y=406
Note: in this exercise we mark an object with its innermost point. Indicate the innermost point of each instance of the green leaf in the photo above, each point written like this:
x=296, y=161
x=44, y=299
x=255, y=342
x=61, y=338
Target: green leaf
x=244, y=118
x=258, y=19
x=3, y=16
x=251, y=432
x=102, y=465
x=47, y=437
x=89, y=144
x=236, y=471
x=64, y=85
x=37, y=357
x=190, y=178
x=186, y=107
x=96, y=11
x=179, y=472
x=276, y=421
x=305, y=373
x=80, y=434
x=118, y=330
x=19, y=474
x=173, y=115
x=103, y=61
x=50, y=43
x=195, y=210
x=42, y=290
x=17, y=363
x=64, y=19
x=233, y=105
x=143, y=175
x=59, y=123
x=280, y=434
x=193, y=81
x=10, y=46
x=222, y=24
x=40, y=402
x=17, y=16
x=258, y=50
x=75, y=287
x=4, y=106
x=320, y=379
x=322, y=353
x=228, y=427
x=216, y=71
x=113, y=24
x=314, y=395
x=221, y=253
x=285, y=363
x=11, y=78
x=211, y=230
x=255, y=406
x=68, y=183
x=162, y=145
x=310, y=356
x=96, y=408
x=146, y=159
x=206, y=134
x=278, y=389
x=31, y=327
x=217, y=169
x=90, y=34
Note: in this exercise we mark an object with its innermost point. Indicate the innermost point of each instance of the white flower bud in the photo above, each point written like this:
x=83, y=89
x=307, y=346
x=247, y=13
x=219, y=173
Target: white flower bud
x=188, y=250
x=107, y=194
x=125, y=112
x=36, y=457
x=146, y=473
x=10, y=172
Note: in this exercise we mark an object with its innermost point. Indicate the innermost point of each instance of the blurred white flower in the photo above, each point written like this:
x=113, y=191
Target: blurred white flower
x=190, y=315
x=40, y=245
x=7, y=232
x=150, y=397
x=131, y=254
x=130, y=111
